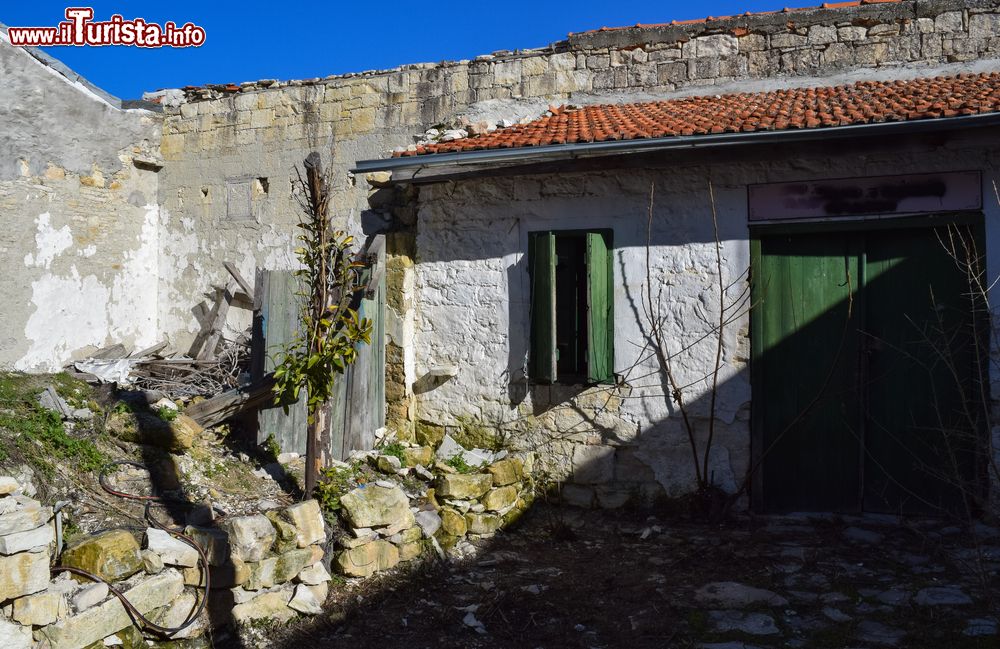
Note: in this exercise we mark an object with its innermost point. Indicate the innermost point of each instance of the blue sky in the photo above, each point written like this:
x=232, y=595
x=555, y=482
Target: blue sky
x=289, y=39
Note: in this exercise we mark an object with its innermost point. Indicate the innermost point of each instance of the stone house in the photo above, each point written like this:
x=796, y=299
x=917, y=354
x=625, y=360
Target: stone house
x=169, y=189
x=572, y=255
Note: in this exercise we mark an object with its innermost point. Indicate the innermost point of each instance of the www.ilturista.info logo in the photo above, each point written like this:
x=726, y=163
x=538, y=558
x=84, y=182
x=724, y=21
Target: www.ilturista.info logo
x=80, y=29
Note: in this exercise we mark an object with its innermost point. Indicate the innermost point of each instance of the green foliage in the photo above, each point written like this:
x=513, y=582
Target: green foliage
x=166, y=413
x=458, y=463
x=38, y=435
x=122, y=408
x=394, y=449
x=331, y=329
x=334, y=482
x=272, y=448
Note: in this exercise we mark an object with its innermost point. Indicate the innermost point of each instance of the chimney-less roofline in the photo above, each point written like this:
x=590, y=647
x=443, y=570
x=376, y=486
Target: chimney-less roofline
x=534, y=154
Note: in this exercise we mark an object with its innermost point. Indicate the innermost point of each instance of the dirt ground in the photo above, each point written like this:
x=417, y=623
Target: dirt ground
x=572, y=578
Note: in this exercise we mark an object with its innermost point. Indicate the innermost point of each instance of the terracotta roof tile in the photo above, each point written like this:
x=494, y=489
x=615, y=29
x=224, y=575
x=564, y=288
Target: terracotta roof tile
x=865, y=102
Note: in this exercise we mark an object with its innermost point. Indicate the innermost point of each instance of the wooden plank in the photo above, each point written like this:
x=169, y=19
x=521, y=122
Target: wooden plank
x=279, y=321
x=231, y=267
x=110, y=353
x=217, y=409
x=149, y=351
x=207, y=351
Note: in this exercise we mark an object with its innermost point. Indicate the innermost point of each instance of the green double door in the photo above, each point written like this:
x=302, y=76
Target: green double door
x=867, y=358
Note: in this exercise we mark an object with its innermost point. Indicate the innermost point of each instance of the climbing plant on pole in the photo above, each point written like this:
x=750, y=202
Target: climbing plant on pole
x=330, y=329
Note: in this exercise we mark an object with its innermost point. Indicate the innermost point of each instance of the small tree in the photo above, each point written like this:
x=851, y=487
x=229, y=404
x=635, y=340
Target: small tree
x=330, y=329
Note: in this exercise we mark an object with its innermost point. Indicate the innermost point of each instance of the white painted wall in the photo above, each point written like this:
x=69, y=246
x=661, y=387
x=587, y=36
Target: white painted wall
x=472, y=309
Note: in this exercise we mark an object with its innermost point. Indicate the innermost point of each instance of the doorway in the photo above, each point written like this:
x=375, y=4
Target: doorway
x=869, y=353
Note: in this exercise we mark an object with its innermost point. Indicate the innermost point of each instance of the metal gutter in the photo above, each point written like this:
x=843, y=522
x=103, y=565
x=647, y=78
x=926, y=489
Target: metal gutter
x=533, y=154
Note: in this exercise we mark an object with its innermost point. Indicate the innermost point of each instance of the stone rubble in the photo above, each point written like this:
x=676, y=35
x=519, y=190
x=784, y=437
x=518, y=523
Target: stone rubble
x=270, y=563
x=386, y=525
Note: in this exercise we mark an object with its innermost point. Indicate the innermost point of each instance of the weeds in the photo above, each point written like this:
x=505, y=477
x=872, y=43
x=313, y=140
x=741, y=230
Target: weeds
x=458, y=463
x=394, y=449
x=333, y=484
x=36, y=435
x=166, y=413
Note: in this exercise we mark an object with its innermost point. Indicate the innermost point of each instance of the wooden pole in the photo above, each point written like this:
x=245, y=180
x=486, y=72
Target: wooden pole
x=317, y=306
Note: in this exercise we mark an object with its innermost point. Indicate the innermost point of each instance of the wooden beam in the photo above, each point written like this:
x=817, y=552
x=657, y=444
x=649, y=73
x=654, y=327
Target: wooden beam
x=228, y=404
x=208, y=349
x=231, y=267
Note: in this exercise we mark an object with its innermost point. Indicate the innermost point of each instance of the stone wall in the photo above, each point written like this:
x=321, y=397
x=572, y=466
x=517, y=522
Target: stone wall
x=471, y=308
x=78, y=194
x=231, y=149
x=262, y=567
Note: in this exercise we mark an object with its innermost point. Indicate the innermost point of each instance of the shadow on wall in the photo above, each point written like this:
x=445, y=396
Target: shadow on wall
x=869, y=352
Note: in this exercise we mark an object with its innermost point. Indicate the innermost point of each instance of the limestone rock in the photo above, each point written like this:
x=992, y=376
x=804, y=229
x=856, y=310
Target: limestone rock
x=290, y=564
x=100, y=621
x=112, y=555
x=376, y=506
x=151, y=562
x=14, y=636
x=506, y=471
x=40, y=609
x=429, y=522
x=250, y=537
x=314, y=574
x=89, y=596
x=388, y=463
x=177, y=613
x=459, y=485
x=429, y=434
x=483, y=523
x=736, y=595
x=29, y=515
x=8, y=485
x=286, y=538
x=269, y=606
x=750, y=623
x=500, y=499
x=23, y=574
x=214, y=543
x=172, y=550
x=422, y=455
x=35, y=539
x=453, y=523
x=304, y=601
x=147, y=428
x=942, y=596
x=277, y=570
x=409, y=535
x=307, y=519
x=235, y=573
x=410, y=551
x=366, y=560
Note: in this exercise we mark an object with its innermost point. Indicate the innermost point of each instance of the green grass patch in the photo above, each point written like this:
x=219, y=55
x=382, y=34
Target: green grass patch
x=32, y=434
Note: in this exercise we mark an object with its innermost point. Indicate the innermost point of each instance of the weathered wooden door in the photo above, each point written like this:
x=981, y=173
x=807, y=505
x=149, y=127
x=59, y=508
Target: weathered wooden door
x=866, y=369
x=357, y=407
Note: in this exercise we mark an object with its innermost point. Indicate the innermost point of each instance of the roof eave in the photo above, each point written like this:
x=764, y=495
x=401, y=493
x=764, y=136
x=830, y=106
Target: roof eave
x=489, y=158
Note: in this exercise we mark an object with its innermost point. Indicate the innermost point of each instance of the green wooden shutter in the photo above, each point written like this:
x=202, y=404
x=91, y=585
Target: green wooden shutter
x=600, y=325
x=543, y=306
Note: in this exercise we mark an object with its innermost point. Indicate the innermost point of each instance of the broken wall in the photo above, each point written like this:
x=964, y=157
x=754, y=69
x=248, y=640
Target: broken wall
x=231, y=150
x=80, y=217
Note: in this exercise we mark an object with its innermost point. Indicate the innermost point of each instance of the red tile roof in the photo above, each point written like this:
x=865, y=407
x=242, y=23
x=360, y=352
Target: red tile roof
x=866, y=102
x=709, y=19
